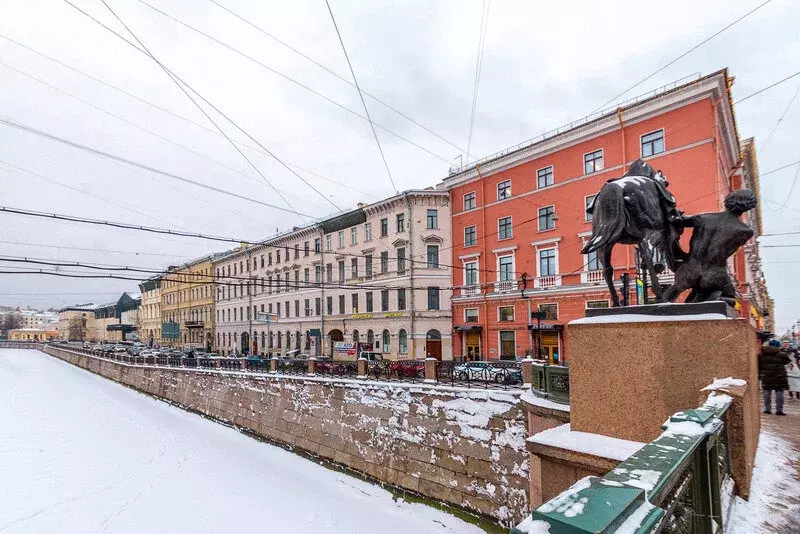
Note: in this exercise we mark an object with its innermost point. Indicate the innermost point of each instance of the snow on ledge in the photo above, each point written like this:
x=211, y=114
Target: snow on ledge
x=529, y=397
x=722, y=383
x=595, y=444
x=641, y=318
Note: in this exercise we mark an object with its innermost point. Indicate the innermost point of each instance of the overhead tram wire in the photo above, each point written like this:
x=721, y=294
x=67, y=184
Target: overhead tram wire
x=142, y=128
x=291, y=80
x=681, y=56
x=183, y=83
x=200, y=108
x=780, y=119
x=361, y=96
x=172, y=113
x=478, y=67
x=87, y=249
x=79, y=146
x=333, y=73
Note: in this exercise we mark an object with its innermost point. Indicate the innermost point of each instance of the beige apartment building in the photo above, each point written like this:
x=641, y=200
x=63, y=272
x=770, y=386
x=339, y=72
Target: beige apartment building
x=187, y=304
x=377, y=275
x=150, y=312
x=79, y=315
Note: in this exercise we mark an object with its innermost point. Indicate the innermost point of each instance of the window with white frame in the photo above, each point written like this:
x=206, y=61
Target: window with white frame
x=544, y=177
x=504, y=228
x=548, y=265
x=471, y=273
x=550, y=311
x=354, y=236
x=653, y=143
x=340, y=235
x=505, y=313
x=505, y=271
x=368, y=232
x=471, y=315
x=504, y=190
x=470, y=201
x=432, y=256
x=470, y=234
x=588, y=201
x=432, y=220
x=328, y=243
x=593, y=161
x=547, y=218
x=593, y=262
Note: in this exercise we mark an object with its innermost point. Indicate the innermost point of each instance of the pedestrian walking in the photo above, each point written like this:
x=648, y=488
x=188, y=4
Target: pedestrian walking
x=772, y=363
x=793, y=375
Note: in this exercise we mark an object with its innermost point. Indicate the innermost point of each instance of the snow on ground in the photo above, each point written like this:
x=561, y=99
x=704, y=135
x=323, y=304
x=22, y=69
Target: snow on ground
x=774, y=491
x=79, y=453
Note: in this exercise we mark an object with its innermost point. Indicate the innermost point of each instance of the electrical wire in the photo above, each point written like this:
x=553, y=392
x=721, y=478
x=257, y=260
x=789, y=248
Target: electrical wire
x=478, y=68
x=361, y=97
x=86, y=249
x=780, y=119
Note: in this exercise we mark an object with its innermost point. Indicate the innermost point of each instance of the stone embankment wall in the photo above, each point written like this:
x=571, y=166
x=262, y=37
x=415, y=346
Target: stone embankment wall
x=462, y=447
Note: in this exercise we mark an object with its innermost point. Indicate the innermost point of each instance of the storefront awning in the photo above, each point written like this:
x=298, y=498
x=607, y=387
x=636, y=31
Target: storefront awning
x=314, y=332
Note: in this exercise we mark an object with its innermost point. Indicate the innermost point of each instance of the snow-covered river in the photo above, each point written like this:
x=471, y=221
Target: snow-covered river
x=81, y=454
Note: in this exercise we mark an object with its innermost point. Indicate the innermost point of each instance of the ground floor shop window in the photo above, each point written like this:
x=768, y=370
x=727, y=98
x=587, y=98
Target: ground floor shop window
x=508, y=344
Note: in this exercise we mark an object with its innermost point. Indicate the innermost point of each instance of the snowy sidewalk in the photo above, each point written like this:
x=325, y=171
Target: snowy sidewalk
x=82, y=454
x=774, y=506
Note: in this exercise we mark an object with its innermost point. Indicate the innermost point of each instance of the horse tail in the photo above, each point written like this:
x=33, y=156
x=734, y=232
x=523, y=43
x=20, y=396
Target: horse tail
x=609, y=218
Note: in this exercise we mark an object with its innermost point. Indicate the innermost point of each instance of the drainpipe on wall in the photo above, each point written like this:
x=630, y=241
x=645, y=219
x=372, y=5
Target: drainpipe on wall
x=412, y=306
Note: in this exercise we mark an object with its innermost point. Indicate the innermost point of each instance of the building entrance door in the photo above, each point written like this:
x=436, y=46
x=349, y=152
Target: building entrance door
x=550, y=347
x=473, y=343
x=433, y=344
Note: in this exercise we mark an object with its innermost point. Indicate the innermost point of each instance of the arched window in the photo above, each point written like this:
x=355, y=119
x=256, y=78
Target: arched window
x=386, y=340
x=355, y=336
x=402, y=342
x=371, y=337
x=297, y=340
x=262, y=341
x=271, y=339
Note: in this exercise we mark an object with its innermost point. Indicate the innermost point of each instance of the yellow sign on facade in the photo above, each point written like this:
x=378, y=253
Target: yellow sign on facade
x=393, y=314
x=362, y=316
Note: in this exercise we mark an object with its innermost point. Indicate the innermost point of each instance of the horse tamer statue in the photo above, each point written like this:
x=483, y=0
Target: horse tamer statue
x=638, y=209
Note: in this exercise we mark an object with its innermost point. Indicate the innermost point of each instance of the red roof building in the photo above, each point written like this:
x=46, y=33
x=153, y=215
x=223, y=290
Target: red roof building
x=519, y=218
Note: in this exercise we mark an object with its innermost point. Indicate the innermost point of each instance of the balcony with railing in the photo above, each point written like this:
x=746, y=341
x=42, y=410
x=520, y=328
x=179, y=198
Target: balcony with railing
x=470, y=290
x=592, y=277
x=547, y=281
x=504, y=286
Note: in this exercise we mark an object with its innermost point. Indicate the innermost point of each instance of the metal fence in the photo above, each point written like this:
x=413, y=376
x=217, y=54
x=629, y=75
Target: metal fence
x=551, y=382
x=292, y=367
x=398, y=371
x=494, y=374
x=345, y=369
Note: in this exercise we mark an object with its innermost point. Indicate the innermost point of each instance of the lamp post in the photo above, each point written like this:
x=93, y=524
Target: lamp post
x=538, y=315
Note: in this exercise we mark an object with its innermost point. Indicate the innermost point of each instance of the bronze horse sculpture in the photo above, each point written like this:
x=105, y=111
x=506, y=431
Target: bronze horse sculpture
x=636, y=209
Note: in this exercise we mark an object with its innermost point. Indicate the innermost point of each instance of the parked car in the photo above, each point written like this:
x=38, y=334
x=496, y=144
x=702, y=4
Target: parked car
x=478, y=371
x=371, y=356
x=408, y=369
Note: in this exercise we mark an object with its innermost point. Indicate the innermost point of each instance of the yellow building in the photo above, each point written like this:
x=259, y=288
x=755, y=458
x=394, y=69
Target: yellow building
x=32, y=334
x=73, y=321
x=187, y=305
x=150, y=311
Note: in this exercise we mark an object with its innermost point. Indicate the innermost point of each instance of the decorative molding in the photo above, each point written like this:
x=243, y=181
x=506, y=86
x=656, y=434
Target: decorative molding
x=505, y=249
x=551, y=241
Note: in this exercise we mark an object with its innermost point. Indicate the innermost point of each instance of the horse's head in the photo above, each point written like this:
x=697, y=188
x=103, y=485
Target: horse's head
x=640, y=168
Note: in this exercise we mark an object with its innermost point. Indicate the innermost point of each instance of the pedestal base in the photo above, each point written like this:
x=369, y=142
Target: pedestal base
x=628, y=376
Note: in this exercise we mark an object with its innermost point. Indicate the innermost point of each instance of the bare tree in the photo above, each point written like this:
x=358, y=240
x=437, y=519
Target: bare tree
x=77, y=328
x=9, y=321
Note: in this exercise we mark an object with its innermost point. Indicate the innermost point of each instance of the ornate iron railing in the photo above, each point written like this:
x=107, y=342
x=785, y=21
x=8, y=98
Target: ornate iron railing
x=484, y=374
x=292, y=367
x=398, y=370
x=338, y=368
x=551, y=381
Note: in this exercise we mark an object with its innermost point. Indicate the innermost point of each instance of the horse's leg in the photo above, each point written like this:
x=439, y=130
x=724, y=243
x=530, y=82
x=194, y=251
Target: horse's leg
x=647, y=258
x=608, y=273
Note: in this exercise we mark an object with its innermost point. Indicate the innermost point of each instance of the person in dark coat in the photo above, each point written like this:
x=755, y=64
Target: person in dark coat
x=772, y=363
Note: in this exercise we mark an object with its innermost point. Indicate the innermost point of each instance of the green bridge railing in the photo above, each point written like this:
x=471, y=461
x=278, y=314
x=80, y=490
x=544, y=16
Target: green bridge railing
x=551, y=382
x=674, y=485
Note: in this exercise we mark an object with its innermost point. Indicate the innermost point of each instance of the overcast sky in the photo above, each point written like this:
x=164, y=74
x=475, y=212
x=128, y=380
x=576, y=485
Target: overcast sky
x=544, y=65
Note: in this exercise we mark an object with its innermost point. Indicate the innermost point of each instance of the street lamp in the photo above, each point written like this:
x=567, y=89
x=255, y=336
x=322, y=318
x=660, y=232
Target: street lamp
x=538, y=315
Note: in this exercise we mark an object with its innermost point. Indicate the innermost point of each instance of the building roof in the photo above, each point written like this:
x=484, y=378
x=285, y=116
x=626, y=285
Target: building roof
x=79, y=307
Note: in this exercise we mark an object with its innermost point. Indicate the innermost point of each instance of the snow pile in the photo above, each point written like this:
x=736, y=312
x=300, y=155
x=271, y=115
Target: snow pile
x=645, y=479
x=83, y=454
x=529, y=526
x=723, y=383
x=774, y=490
x=529, y=397
x=641, y=318
x=595, y=444
x=568, y=502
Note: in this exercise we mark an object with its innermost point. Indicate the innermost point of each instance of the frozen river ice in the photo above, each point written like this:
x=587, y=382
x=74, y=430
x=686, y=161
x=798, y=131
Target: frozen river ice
x=79, y=453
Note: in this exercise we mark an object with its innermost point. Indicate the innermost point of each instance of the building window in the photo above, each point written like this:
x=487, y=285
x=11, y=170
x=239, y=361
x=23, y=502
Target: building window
x=384, y=262
x=328, y=243
x=317, y=274
x=432, y=220
x=401, y=260
x=433, y=256
x=504, y=190
x=354, y=236
x=401, y=222
x=341, y=271
x=433, y=298
x=353, y=267
x=368, y=266
x=368, y=232
x=653, y=143
x=505, y=313
x=471, y=315
x=385, y=300
x=387, y=341
x=544, y=177
x=547, y=262
x=589, y=200
x=470, y=201
x=329, y=305
x=317, y=306
x=340, y=237
x=550, y=311
x=307, y=305
x=506, y=268
x=297, y=251
x=596, y=304
x=354, y=299
x=593, y=161
x=297, y=308
x=306, y=278
x=470, y=236
x=471, y=273
x=508, y=344
x=547, y=218
x=593, y=262
x=305, y=249
x=504, y=230
x=402, y=341
x=368, y=307
x=329, y=272
x=341, y=304
x=384, y=227
x=317, y=245
x=401, y=299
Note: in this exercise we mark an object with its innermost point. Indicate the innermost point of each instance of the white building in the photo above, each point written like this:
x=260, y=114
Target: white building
x=379, y=274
